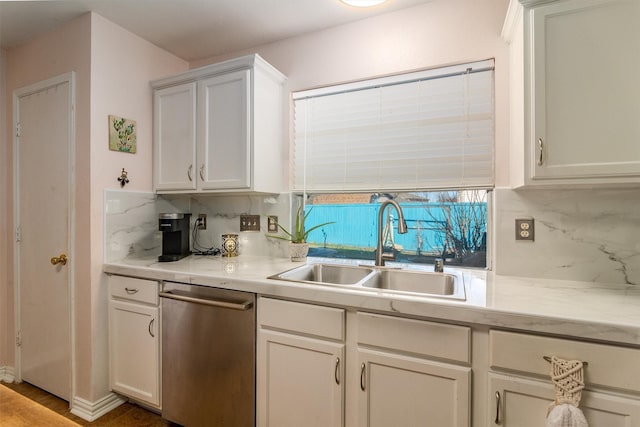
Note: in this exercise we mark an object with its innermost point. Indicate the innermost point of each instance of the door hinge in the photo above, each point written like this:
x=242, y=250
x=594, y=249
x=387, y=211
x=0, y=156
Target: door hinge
x=19, y=339
x=18, y=234
x=18, y=130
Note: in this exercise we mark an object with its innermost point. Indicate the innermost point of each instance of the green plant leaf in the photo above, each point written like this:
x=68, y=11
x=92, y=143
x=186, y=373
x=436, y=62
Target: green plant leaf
x=298, y=234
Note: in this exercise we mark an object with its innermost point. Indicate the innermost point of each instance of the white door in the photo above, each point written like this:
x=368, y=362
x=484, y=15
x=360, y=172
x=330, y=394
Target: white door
x=44, y=136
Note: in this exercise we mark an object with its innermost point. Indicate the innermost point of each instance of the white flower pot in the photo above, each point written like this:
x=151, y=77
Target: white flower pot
x=298, y=251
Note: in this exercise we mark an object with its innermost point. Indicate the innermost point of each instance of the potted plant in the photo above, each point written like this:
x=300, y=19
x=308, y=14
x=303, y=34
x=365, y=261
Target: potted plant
x=298, y=247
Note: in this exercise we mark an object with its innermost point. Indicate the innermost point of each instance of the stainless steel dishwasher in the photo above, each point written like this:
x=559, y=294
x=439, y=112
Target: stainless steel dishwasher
x=208, y=356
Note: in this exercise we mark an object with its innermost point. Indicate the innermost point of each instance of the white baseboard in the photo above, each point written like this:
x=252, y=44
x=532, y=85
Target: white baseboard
x=88, y=411
x=91, y=411
x=7, y=374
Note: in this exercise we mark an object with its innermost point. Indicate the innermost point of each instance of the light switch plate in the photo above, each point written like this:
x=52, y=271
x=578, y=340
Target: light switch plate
x=249, y=222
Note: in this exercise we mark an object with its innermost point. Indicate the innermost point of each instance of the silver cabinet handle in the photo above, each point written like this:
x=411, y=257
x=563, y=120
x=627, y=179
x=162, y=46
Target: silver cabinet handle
x=337, y=371
x=243, y=306
x=131, y=291
x=541, y=152
x=202, y=172
x=189, y=171
x=150, y=326
x=497, y=420
x=362, y=376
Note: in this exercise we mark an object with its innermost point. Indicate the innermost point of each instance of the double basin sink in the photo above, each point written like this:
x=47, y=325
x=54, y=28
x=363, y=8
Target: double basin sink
x=380, y=279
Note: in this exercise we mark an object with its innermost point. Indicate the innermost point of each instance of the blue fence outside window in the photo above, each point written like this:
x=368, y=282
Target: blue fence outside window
x=356, y=225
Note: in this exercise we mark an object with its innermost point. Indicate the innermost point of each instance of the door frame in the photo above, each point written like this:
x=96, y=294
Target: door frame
x=69, y=78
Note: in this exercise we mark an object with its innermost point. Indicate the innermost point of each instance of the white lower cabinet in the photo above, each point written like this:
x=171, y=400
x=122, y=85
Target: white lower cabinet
x=302, y=381
x=406, y=391
x=520, y=391
x=411, y=372
x=300, y=365
x=134, y=339
x=386, y=371
x=524, y=402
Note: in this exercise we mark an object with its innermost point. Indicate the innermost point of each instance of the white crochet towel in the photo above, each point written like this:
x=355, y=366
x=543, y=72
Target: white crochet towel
x=566, y=415
x=567, y=377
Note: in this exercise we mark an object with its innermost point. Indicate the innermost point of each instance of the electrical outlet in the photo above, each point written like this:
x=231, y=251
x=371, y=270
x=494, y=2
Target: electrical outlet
x=202, y=221
x=249, y=222
x=272, y=224
x=525, y=229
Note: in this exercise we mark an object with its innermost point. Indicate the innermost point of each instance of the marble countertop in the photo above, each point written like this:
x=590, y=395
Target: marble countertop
x=586, y=310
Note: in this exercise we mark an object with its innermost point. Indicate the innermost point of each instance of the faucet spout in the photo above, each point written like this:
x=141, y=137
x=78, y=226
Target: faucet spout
x=402, y=229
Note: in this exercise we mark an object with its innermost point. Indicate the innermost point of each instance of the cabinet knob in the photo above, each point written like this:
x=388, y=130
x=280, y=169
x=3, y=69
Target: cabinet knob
x=202, y=172
x=497, y=420
x=363, y=367
x=189, y=171
x=337, y=371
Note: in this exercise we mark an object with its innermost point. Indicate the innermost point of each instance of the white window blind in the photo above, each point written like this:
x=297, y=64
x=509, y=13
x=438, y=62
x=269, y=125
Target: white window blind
x=419, y=131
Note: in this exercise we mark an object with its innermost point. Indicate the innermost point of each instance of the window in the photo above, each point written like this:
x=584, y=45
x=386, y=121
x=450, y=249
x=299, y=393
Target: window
x=425, y=139
x=451, y=225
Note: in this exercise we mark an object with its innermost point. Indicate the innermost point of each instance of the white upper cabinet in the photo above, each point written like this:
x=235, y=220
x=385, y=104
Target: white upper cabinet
x=219, y=129
x=574, y=93
x=174, y=119
x=226, y=133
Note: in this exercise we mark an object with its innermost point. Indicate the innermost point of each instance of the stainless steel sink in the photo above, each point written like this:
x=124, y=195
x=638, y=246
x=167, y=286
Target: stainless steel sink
x=326, y=274
x=413, y=281
x=372, y=279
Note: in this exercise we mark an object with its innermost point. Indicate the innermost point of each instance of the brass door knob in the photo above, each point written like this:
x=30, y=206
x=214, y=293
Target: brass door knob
x=62, y=259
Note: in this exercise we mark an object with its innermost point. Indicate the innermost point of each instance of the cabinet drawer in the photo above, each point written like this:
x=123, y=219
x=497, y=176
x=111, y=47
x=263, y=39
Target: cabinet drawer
x=415, y=336
x=133, y=289
x=303, y=318
x=608, y=365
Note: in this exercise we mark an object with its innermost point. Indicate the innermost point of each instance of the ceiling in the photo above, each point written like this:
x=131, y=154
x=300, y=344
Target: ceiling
x=191, y=29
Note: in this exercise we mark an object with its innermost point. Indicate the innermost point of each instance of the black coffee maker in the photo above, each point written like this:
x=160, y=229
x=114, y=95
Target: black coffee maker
x=175, y=236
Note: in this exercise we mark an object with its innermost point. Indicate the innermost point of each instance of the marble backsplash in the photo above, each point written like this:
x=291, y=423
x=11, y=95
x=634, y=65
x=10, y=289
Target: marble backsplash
x=588, y=235
x=131, y=222
x=223, y=217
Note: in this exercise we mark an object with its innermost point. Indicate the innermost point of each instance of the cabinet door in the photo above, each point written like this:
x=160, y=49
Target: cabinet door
x=585, y=92
x=134, y=351
x=174, y=151
x=522, y=402
x=398, y=390
x=300, y=381
x=225, y=138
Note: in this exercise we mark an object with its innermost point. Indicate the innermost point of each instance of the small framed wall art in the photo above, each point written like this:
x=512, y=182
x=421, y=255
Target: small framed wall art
x=122, y=134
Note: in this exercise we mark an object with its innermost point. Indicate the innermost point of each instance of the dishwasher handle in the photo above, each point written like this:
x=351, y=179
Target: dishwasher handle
x=242, y=306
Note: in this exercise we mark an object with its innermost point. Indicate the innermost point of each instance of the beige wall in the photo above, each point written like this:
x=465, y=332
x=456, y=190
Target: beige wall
x=113, y=69
x=438, y=33
x=122, y=65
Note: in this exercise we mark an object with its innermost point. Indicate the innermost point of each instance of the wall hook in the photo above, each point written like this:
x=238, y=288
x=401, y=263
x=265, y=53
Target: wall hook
x=123, y=178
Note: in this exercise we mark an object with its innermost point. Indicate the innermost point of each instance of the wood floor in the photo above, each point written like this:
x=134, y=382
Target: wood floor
x=125, y=415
